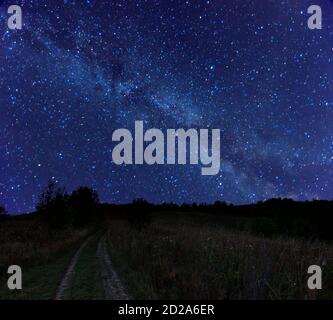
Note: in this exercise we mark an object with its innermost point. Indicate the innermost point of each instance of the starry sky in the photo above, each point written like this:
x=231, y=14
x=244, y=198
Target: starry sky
x=78, y=70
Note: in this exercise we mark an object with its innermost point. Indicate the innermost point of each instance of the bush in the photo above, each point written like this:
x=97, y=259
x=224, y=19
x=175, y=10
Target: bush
x=263, y=226
x=139, y=214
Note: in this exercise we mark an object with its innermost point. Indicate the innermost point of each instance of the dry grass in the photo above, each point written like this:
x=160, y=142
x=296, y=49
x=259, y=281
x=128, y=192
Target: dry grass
x=192, y=261
x=32, y=243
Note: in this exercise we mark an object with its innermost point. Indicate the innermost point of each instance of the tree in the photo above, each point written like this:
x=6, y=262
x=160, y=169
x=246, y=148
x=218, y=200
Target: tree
x=3, y=214
x=45, y=199
x=3, y=211
x=53, y=206
x=84, y=201
x=59, y=209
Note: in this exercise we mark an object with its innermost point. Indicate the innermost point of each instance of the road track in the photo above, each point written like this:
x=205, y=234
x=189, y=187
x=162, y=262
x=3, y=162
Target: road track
x=113, y=288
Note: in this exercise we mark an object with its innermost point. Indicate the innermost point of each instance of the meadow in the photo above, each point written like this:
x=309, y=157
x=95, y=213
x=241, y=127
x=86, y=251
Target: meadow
x=187, y=259
x=29, y=242
x=42, y=253
x=165, y=255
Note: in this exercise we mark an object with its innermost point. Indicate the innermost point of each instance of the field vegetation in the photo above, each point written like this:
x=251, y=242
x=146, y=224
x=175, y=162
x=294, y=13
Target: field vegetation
x=168, y=251
x=187, y=259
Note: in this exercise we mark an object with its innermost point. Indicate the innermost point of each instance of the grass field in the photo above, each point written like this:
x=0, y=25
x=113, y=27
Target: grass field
x=29, y=242
x=188, y=260
x=43, y=255
x=173, y=257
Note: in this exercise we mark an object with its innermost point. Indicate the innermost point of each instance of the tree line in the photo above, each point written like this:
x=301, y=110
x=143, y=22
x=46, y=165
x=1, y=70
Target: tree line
x=274, y=217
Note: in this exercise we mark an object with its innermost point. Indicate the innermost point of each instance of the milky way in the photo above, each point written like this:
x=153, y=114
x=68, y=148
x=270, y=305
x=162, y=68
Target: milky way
x=78, y=70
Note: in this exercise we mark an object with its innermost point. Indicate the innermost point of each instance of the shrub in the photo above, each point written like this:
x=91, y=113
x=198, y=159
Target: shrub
x=139, y=214
x=263, y=226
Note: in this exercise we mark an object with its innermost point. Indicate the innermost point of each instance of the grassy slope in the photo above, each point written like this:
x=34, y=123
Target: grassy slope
x=173, y=258
x=40, y=282
x=43, y=255
x=186, y=260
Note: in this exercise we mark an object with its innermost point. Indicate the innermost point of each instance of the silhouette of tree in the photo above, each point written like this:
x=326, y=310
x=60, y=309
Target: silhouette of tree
x=53, y=206
x=45, y=199
x=218, y=205
x=84, y=201
x=2, y=211
x=3, y=214
x=58, y=208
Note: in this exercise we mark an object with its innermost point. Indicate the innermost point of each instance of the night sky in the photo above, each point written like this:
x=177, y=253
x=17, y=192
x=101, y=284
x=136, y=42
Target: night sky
x=81, y=69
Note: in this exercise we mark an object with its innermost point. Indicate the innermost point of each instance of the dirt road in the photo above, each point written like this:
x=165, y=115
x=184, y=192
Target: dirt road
x=112, y=285
x=107, y=276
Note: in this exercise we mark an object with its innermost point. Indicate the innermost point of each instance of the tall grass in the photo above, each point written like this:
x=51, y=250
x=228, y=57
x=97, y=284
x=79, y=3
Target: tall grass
x=32, y=243
x=42, y=253
x=192, y=261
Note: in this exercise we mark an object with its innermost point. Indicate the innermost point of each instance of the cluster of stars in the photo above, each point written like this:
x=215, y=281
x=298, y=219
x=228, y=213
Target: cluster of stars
x=78, y=70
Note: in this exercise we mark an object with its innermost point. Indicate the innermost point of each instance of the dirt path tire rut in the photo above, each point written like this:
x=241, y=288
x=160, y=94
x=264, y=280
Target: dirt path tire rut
x=66, y=281
x=113, y=288
x=112, y=285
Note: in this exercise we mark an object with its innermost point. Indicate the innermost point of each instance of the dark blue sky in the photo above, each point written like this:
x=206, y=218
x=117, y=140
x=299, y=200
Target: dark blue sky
x=81, y=69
